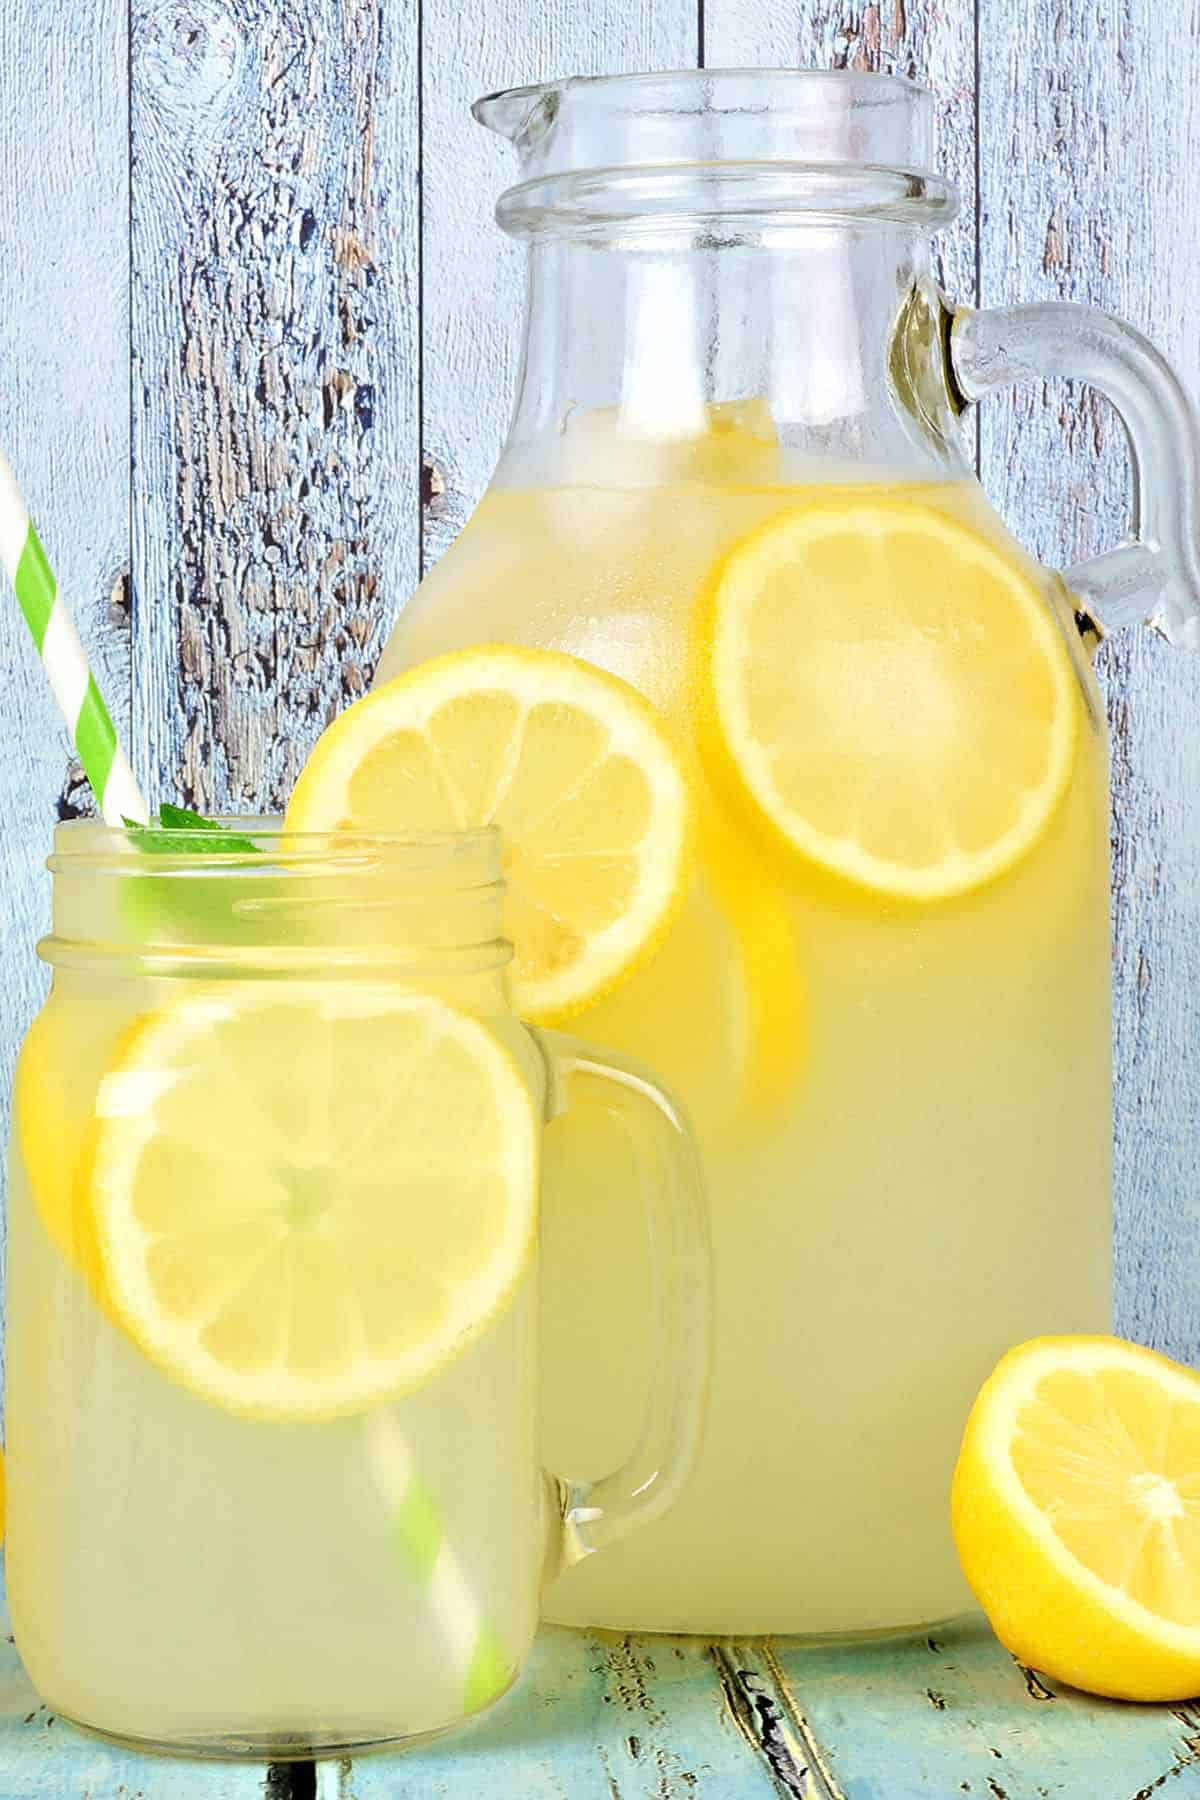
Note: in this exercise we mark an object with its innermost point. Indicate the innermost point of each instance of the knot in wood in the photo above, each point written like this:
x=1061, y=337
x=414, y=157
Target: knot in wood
x=191, y=52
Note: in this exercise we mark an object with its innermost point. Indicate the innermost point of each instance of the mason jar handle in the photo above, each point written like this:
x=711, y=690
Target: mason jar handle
x=1153, y=576
x=594, y=1514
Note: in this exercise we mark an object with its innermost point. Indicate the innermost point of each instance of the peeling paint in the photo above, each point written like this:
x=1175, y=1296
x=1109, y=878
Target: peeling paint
x=291, y=1781
x=1035, y=1687
x=758, y=1716
x=267, y=342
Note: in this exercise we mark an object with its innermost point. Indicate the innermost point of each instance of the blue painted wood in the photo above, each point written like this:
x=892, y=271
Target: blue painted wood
x=951, y=1714
x=63, y=422
x=275, y=374
x=1089, y=115
x=601, y=1717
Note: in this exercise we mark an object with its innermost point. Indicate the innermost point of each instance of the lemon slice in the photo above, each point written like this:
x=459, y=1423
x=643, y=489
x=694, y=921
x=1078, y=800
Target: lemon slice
x=891, y=692
x=308, y=1200
x=571, y=764
x=773, y=1011
x=1076, y=1510
x=48, y=1126
x=52, y=1131
x=735, y=936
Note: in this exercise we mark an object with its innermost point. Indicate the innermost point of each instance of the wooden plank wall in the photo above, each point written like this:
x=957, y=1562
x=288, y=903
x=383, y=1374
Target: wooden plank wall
x=64, y=413
x=294, y=370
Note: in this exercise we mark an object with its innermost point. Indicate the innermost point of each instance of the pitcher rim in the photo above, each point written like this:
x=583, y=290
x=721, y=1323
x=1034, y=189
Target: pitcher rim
x=867, y=79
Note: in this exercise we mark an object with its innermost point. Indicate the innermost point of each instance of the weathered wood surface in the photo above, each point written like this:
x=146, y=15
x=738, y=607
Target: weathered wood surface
x=64, y=349
x=315, y=300
x=1091, y=113
x=287, y=378
x=600, y=1717
x=275, y=376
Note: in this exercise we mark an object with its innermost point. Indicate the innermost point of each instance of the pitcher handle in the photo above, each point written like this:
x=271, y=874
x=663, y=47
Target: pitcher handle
x=594, y=1514
x=1152, y=577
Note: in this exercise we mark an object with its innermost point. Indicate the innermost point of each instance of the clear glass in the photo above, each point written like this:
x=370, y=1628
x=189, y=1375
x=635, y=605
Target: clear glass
x=904, y=1110
x=229, y=1573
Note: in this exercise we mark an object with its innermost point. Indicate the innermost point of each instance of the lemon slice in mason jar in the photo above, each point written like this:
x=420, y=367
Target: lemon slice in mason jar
x=575, y=768
x=308, y=1199
x=52, y=1129
x=890, y=691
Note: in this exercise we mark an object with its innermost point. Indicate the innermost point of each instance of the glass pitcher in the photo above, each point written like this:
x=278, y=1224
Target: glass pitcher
x=272, y=1335
x=736, y=477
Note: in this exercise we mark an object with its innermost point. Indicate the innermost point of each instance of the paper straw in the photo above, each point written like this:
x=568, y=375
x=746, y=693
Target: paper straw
x=57, y=642
x=431, y=1560
x=473, y=1646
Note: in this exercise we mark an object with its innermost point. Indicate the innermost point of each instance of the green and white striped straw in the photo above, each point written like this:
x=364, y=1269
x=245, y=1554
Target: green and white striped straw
x=474, y=1649
x=57, y=642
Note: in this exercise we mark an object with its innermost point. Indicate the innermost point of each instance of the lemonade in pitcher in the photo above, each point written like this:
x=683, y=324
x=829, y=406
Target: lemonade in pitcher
x=737, y=481
x=897, y=1088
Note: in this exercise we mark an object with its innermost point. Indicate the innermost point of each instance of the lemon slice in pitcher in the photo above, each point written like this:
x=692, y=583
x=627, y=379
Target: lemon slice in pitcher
x=574, y=767
x=891, y=692
x=734, y=953
x=308, y=1200
x=1076, y=1510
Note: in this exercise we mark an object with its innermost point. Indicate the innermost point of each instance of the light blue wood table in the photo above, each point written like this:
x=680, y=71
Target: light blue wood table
x=257, y=335
x=601, y=1717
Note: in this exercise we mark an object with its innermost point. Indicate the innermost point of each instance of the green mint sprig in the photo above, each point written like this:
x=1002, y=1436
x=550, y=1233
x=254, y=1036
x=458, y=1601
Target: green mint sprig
x=194, y=908
x=156, y=838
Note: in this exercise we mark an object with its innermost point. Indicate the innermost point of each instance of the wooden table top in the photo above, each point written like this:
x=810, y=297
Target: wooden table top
x=602, y=1717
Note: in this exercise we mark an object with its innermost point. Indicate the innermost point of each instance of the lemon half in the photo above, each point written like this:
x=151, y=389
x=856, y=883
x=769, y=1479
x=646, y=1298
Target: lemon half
x=1076, y=1511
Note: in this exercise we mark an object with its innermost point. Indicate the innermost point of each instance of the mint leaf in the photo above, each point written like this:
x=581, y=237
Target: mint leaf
x=161, y=837
x=204, y=905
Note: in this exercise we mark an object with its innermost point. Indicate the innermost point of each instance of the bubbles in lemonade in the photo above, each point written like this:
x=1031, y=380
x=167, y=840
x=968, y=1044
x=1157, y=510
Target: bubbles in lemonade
x=903, y=1098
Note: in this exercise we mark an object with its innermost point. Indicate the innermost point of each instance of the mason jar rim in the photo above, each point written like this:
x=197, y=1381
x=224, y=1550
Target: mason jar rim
x=81, y=845
x=283, y=903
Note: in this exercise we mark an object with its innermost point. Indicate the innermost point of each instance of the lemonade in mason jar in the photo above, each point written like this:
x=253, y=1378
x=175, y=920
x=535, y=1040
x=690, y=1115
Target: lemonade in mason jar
x=272, y=1307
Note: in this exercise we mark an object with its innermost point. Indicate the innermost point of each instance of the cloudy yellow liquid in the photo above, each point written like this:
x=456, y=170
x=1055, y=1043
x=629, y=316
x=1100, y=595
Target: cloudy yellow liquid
x=904, y=1109
x=185, y=1577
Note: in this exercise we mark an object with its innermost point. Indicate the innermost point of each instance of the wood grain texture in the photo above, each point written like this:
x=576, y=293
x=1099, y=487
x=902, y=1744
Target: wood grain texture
x=950, y=1715
x=278, y=426
x=275, y=478
x=1091, y=114
x=473, y=278
x=64, y=386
